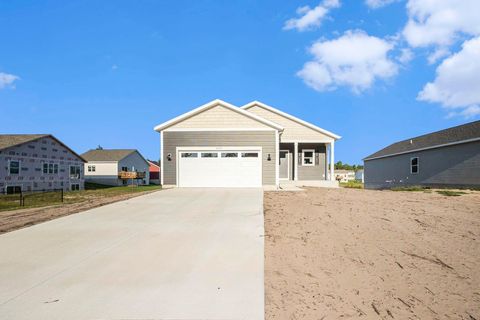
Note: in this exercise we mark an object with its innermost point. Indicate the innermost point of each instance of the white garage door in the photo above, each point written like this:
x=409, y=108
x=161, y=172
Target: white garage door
x=214, y=168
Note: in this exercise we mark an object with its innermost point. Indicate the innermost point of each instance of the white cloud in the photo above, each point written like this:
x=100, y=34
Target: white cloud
x=438, y=54
x=7, y=80
x=311, y=18
x=354, y=60
x=375, y=4
x=440, y=22
x=406, y=55
x=457, y=82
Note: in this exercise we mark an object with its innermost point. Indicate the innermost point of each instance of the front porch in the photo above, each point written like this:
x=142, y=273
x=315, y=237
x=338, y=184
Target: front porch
x=307, y=164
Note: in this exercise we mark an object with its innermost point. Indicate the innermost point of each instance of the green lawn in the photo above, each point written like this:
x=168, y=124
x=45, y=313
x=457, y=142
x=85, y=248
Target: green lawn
x=352, y=184
x=33, y=200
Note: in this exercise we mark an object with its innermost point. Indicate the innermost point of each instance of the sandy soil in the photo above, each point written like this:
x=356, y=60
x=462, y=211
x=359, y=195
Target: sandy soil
x=346, y=253
x=16, y=219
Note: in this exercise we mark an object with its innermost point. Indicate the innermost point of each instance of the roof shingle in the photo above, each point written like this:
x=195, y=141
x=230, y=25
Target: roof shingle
x=107, y=154
x=10, y=140
x=451, y=135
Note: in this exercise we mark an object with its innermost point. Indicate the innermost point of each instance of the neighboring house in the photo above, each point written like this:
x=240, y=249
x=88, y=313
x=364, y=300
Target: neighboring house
x=359, y=175
x=345, y=175
x=34, y=162
x=154, y=172
x=220, y=145
x=446, y=158
x=116, y=167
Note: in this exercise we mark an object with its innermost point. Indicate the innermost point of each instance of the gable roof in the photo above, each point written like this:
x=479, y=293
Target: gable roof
x=154, y=163
x=455, y=135
x=289, y=116
x=11, y=140
x=108, y=154
x=211, y=104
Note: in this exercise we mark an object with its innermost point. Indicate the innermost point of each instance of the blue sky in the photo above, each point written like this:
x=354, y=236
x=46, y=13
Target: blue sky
x=106, y=72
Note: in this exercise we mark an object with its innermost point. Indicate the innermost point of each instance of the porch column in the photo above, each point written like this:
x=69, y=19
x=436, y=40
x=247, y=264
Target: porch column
x=332, y=161
x=295, y=161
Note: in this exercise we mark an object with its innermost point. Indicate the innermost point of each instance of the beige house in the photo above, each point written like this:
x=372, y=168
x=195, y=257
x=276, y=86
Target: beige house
x=116, y=167
x=221, y=145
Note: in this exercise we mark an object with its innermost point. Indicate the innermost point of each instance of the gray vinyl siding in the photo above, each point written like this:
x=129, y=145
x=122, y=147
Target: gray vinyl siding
x=32, y=155
x=263, y=139
x=137, y=162
x=451, y=166
x=316, y=172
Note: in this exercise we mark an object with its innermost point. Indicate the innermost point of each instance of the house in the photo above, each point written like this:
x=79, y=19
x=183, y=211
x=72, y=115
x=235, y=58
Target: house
x=221, y=145
x=359, y=175
x=116, y=167
x=154, y=170
x=344, y=175
x=35, y=162
x=446, y=158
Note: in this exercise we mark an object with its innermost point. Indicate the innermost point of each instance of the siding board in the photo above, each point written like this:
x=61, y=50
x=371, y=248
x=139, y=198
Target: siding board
x=263, y=139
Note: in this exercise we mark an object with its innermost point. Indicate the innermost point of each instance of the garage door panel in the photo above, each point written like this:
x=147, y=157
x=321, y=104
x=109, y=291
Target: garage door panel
x=226, y=168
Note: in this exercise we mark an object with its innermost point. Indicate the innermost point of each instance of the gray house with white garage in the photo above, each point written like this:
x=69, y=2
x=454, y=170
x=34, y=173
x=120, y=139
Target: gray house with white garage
x=222, y=145
x=446, y=158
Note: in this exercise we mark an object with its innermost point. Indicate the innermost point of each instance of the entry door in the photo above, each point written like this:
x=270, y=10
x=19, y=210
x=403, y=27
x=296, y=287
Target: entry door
x=284, y=165
x=225, y=168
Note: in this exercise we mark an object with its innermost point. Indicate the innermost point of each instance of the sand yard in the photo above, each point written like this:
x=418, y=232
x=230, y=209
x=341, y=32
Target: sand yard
x=346, y=253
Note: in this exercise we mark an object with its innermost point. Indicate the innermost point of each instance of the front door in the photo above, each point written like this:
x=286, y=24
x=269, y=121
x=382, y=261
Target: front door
x=284, y=165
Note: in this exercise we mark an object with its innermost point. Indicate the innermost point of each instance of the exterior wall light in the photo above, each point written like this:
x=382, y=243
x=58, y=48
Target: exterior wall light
x=269, y=158
x=169, y=157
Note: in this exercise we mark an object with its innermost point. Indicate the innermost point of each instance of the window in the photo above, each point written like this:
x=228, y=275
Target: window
x=74, y=172
x=189, y=155
x=308, y=157
x=50, y=168
x=229, y=155
x=55, y=168
x=89, y=168
x=14, y=167
x=92, y=168
x=45, y=168
x=75, y=187
x=13, y=189
x=249, y=155
x=209, y=155
x=125, y=169
x=414, y=165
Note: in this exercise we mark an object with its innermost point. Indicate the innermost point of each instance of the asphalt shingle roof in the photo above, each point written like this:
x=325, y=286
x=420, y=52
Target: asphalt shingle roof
x=10, y=140
x=451, y=135
x=107, y=154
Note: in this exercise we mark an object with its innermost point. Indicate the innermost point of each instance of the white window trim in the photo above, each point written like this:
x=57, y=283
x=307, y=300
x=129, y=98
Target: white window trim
x=418, y=165
x=313, y=158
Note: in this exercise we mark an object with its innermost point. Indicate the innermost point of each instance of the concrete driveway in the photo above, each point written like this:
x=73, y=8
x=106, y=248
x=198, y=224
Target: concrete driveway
x=173, y=254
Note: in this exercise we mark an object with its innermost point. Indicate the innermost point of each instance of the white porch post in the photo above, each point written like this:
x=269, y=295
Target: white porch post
x=295, y=161
x=277, y=159
x=332, y=161
x=161, y=158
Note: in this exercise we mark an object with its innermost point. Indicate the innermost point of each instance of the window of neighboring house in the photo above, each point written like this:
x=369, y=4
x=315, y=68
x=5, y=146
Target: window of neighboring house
x=308, y=157
x=14, y=167
x=45, y=168
x=93, y=168
x=55, y=168
x=75, y=187
x=89, y=168
x=124, y=168
x=50, y=168
x=414, y=165
x=74, y=172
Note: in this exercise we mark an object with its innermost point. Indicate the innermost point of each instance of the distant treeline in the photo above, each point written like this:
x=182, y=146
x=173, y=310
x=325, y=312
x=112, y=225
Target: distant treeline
x=345, y=166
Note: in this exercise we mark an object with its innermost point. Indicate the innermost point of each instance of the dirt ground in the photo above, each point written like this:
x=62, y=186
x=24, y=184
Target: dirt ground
x=17, y=219
x=349, y=254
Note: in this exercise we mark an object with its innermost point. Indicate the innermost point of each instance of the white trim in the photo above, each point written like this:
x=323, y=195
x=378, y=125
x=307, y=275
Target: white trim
x=332, y=161
x=289, y=116
x=277, y=157
x=217, y=129
x=313, y=158
x=295, y=161
x=212, y=148
x=306, y=141
x=210, y=105
x=162, y=164
x=418, y=164
x=426, y=148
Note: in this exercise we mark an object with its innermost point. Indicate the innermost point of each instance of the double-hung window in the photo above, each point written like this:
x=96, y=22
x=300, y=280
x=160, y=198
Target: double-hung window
x=308, y=157
x=74, y=172
x=14, y=167
x=414, y=165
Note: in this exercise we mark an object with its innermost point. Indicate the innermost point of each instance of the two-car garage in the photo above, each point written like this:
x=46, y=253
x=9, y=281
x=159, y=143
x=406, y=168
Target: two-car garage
x=219, y=167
